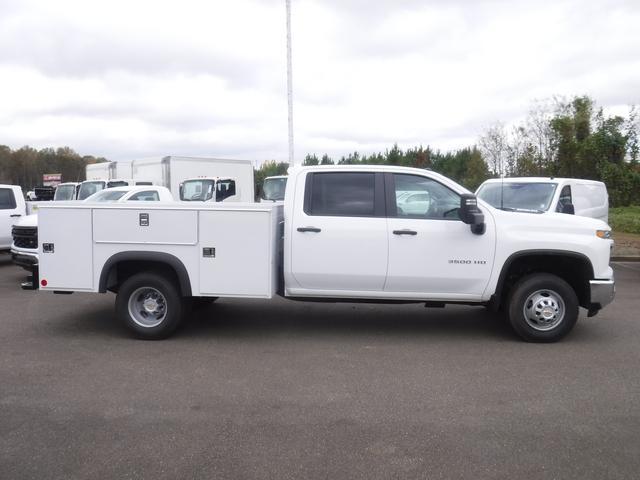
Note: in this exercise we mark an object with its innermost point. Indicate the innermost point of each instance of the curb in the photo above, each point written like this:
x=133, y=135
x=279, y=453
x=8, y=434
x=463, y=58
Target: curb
x=625, y=259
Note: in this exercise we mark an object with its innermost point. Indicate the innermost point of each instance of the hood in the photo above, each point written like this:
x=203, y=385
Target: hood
x=549, y=221
x=27, y=221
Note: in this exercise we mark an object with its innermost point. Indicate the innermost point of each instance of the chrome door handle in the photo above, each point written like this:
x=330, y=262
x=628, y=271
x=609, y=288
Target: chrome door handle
x=309, y=229
x=405, y=231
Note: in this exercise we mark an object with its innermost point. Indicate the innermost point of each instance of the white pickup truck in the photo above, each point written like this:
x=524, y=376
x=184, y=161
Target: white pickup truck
x=12, y=207
x=347, y=235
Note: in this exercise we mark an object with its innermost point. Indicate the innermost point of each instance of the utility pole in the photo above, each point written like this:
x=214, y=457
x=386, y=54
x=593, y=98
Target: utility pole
x=289, y=84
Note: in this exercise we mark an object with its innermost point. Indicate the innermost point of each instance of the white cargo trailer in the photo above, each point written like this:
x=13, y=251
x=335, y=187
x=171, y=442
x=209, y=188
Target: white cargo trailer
x=173, y=171
x=109, y=170
x=100, y=171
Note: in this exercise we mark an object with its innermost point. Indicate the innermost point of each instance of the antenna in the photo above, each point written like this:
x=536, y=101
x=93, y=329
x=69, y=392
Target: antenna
x=501, y=185
x=289, y=83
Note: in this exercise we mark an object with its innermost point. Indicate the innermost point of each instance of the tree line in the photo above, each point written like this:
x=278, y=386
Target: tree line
x=569, y=138
x=26, y=165
x=558, y=137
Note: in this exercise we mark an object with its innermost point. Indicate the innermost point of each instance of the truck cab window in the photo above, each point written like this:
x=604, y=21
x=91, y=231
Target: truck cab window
x=342, y=194
x=565, y=198
x=148, y=196
x=197, y=190
x=225, y=189
x=7, y=200
x=422, y=197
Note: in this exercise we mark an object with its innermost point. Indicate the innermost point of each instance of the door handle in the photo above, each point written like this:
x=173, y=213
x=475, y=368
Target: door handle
x=406, y=231
x=15, y=215
x=308, y=229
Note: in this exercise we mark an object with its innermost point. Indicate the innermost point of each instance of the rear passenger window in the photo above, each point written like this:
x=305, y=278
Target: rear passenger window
x=150, y=196
x=342, y=194
x=7, y=200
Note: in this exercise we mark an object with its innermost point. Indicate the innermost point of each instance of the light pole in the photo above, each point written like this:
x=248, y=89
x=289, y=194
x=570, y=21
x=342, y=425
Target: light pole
x=289, y=84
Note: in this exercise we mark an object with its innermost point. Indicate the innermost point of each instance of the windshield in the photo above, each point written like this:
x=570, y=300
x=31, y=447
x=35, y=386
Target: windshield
x=89, y=188
x=106, y=196
x=274, y=188
x=65, y=192
x=522, y=197
x=197, y=190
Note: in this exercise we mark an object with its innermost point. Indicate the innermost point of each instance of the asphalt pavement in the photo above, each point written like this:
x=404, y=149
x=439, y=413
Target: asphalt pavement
x=292, y=390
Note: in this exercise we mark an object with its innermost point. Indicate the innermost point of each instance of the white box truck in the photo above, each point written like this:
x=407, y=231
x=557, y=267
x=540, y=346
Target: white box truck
x=200, y=179
x=100, y=171
x=347, y=235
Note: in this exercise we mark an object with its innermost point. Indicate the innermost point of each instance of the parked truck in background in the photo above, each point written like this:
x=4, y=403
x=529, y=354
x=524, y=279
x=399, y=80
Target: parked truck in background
x=273, y=188
x=12, y=207
x=199, y=179
x=347, y=235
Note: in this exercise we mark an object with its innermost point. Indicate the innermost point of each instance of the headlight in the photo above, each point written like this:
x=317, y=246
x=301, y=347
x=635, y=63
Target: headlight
x=604, y=234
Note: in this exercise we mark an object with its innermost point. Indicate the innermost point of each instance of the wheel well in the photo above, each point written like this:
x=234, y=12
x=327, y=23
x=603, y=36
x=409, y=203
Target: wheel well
x=575, y=269
x=122, y=266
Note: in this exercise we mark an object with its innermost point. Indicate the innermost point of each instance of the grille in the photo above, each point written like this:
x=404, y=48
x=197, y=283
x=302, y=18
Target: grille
x=25, y=237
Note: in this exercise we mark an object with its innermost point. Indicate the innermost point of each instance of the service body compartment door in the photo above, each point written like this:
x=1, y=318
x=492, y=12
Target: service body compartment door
x=146, y=226
x=238, y=252
x=66, y=261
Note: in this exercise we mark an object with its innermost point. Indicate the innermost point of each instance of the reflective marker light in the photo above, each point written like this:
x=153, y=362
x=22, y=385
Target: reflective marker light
x=43, y=282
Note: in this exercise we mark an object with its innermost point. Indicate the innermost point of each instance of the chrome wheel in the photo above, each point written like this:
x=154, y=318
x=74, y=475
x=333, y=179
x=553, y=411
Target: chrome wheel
x=543, y=310
x=147, y=307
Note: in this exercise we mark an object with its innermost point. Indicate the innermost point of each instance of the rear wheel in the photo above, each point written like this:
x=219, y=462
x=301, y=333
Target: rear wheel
x=150, y=305
x=543, y=308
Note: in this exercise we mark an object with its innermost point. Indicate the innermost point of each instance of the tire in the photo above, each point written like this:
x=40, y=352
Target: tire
x=150, y=305
x=542, y=308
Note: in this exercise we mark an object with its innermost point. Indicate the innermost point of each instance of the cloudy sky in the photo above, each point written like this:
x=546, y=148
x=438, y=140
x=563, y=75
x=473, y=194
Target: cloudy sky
x=134, y=78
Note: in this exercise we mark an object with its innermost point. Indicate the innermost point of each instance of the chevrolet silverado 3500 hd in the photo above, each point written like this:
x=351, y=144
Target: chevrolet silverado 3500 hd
x=363, y=233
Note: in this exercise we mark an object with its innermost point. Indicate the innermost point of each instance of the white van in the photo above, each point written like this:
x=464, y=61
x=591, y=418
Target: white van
x=587, y=198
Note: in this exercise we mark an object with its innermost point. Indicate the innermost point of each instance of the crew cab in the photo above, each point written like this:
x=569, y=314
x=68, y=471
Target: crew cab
x=342, y=234
x=24, y=249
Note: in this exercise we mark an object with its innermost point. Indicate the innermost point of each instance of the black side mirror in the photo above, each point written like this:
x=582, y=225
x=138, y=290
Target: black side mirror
x=470, y=213
x=181, y=192
x=569, y=208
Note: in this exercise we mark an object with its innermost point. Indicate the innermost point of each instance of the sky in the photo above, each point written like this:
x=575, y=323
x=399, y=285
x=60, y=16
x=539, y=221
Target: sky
x=127, y=79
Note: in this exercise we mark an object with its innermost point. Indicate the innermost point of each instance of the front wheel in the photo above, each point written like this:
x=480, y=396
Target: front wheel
x=150, y=305
x=543, y=308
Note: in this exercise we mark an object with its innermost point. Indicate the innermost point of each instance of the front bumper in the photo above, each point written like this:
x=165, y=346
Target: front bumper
x=602, y=293
x=28, y=261
x=24, y=259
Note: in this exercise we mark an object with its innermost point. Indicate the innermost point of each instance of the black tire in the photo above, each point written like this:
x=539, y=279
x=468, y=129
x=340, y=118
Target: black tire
x=158, y=325
x=545, y=296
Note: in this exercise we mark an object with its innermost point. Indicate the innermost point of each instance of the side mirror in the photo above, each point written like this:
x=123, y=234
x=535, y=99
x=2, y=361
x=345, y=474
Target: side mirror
x=569, y=208
x=181, y=192
x=470, y=213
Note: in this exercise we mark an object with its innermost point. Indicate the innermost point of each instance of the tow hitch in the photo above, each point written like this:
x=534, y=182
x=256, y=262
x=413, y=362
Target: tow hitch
x=31, y=282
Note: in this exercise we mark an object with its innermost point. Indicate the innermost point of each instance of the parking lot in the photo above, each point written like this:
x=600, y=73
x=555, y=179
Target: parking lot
x=280, y=389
